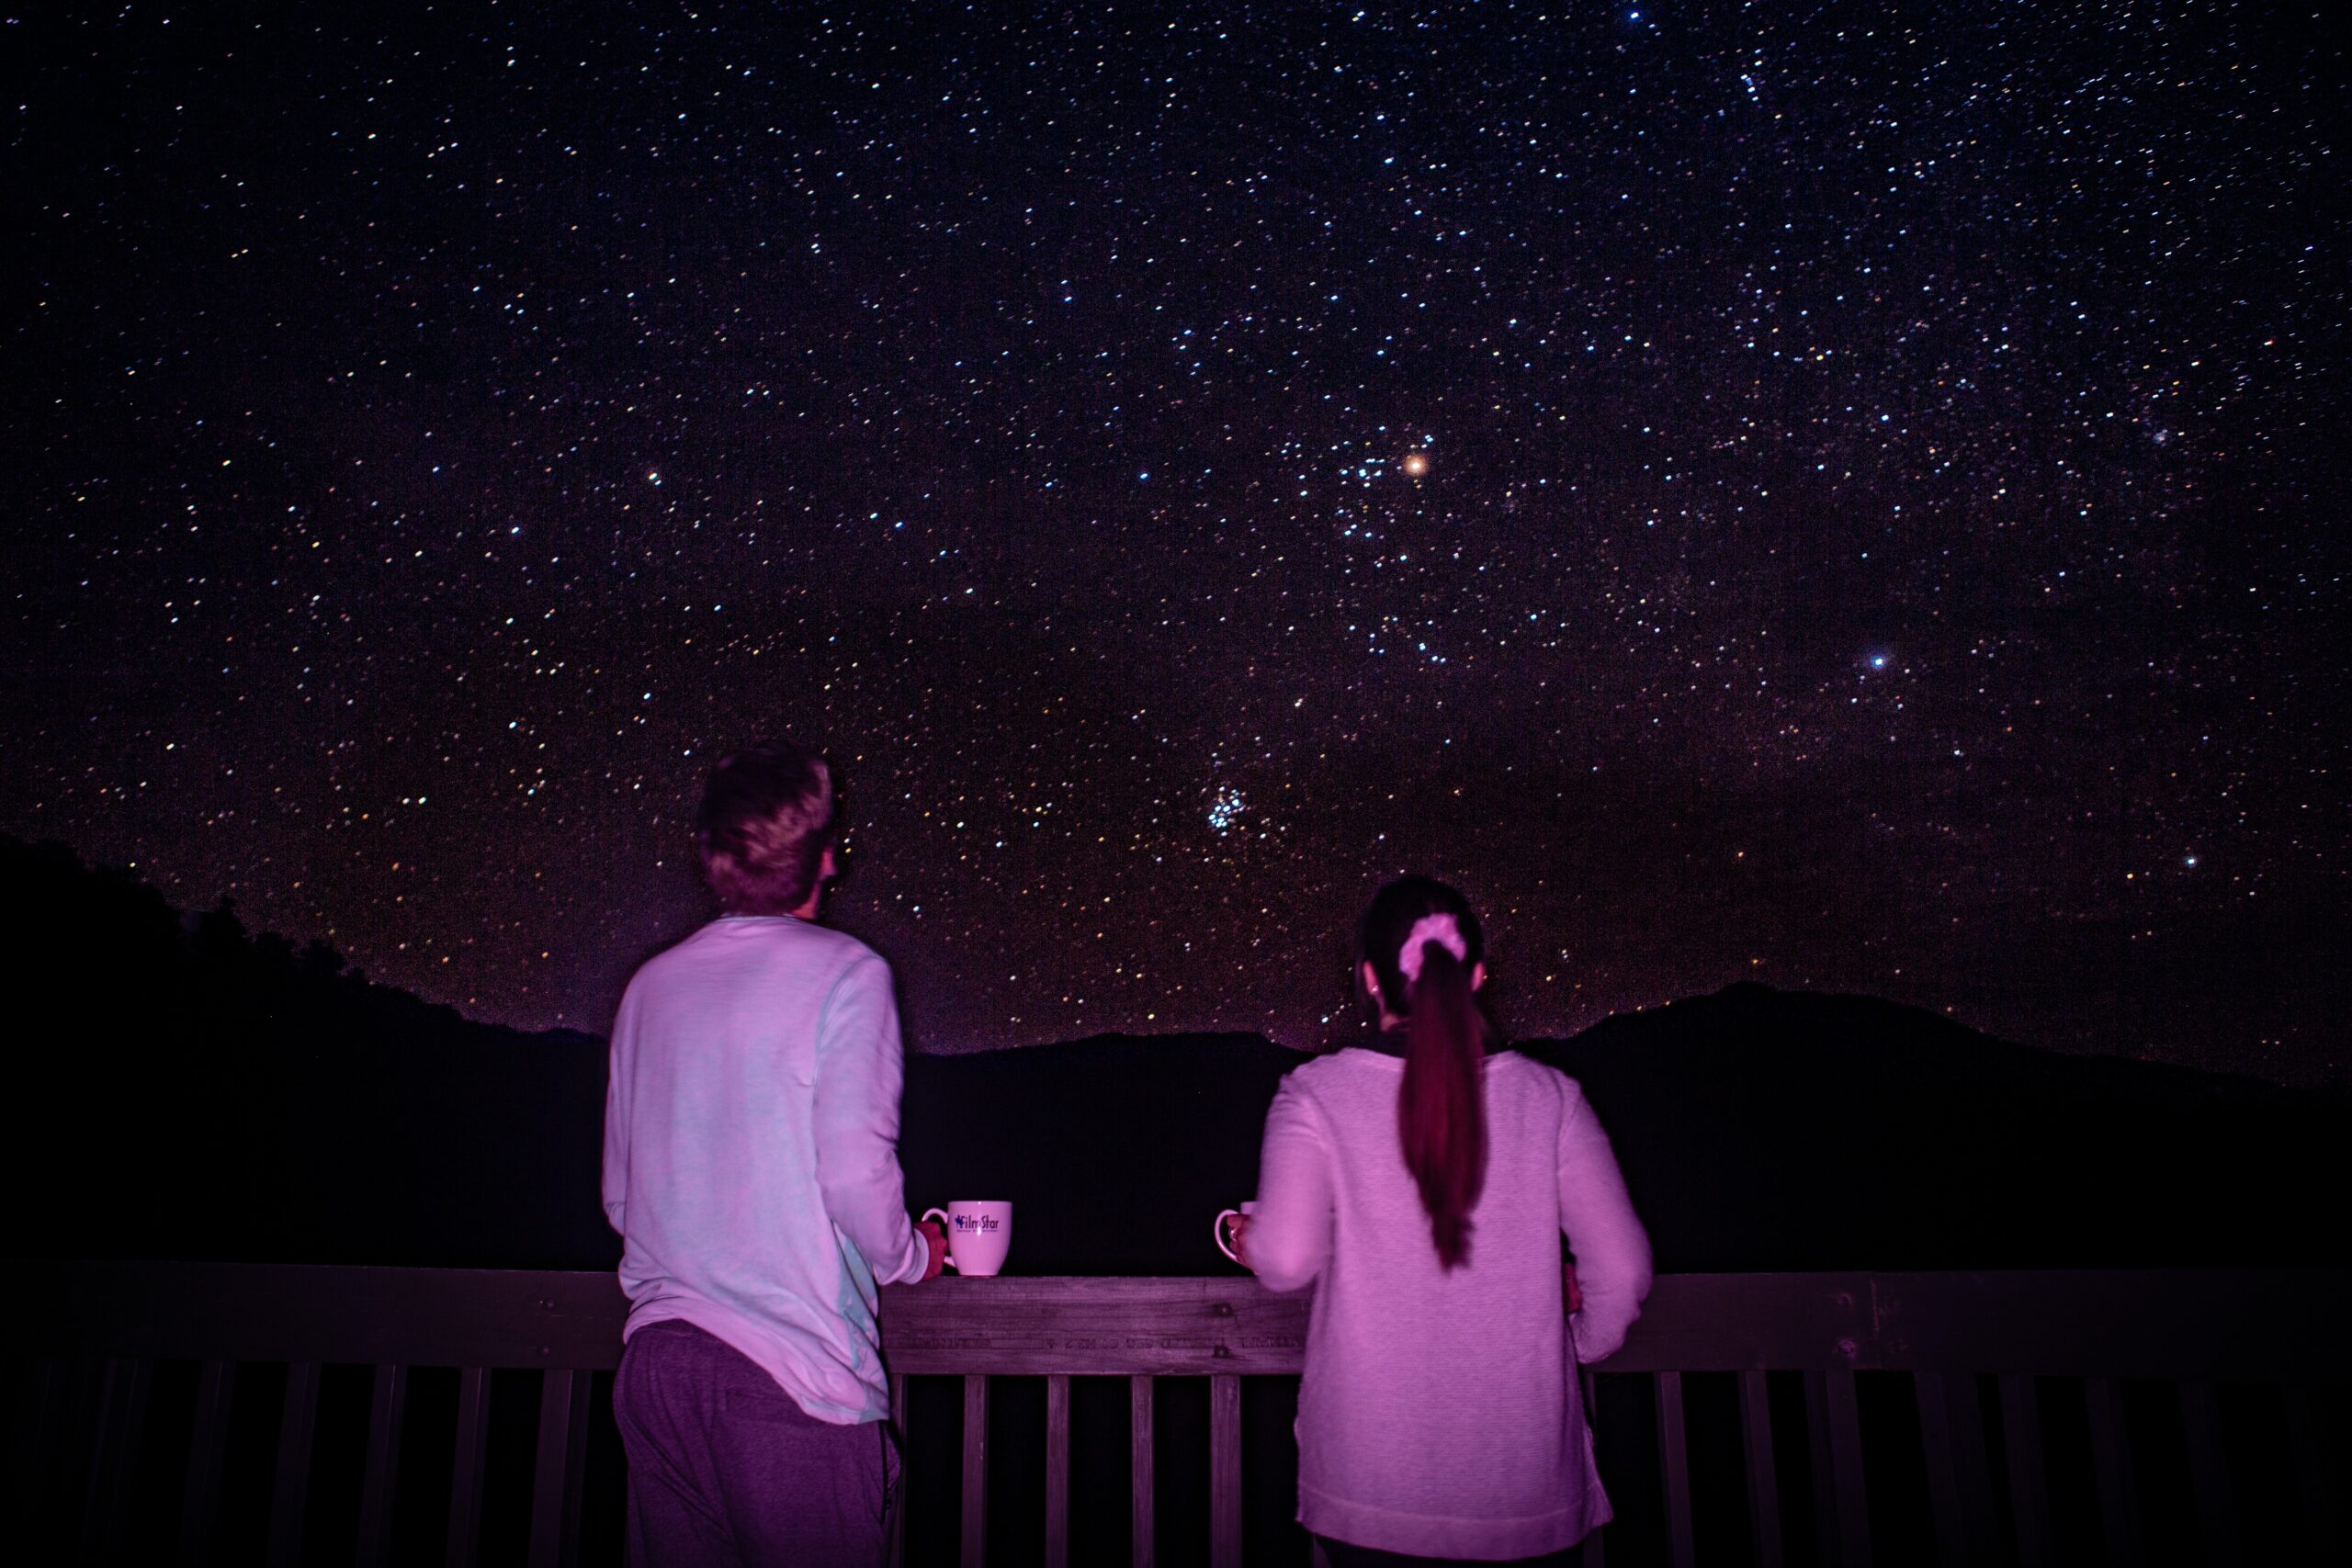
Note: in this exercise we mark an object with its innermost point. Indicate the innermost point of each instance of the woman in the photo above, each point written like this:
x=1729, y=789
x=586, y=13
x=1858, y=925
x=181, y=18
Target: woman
x=1423, y=1184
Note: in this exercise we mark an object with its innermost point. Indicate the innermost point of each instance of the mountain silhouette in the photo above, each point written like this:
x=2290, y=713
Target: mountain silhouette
x=187, y=1088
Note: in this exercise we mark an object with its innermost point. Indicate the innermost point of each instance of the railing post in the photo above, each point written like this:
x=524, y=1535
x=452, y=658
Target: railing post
x=93, y=1408
x=1976, y=1468
x=466, y=1468
x=1825, y=1470
x=1141, y=1482
x=385, y=1410
x=898, y=1502
x=2028, y=1488
x=1846, y=1466
x=975, y=1550
x=1058, y=1469
x=1225, y=1472
x=1674, y=1469
x=216, y=1384
x=126, y=1427
x=2321, y=1533
x=2119, y=1503
x=2209, y=1475
x=1595, y=1554
x=1763, y=1474
x=562, y=1393
x=291, y=1492
x=1936, y=1445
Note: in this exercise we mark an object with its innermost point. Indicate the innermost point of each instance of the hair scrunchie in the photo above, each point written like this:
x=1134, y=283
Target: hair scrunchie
x=1439, y=928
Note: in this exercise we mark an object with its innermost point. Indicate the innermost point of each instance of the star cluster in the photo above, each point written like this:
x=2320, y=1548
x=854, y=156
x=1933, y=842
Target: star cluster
x=1843, y=495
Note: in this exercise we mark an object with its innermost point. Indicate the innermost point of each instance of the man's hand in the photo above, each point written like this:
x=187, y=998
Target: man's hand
x=935, y=1235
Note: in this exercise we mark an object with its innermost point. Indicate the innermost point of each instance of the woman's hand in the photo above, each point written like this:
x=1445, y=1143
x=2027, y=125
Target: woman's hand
x=935, y=1235
x=1236, y=1231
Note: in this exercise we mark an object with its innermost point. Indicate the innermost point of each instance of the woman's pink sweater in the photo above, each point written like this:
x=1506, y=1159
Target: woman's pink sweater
x=1439, y=1415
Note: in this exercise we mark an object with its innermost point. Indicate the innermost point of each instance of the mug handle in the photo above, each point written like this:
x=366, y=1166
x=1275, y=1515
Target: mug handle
x=945, y=1228
x=1217, y=1231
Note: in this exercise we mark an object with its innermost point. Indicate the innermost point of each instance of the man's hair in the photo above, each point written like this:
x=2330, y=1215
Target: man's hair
x=761, y=832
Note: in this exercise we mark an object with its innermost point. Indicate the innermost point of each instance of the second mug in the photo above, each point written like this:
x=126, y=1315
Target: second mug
x=1222, y=1235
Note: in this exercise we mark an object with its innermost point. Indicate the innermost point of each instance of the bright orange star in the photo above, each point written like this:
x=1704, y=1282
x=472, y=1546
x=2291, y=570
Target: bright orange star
x=1416, y=464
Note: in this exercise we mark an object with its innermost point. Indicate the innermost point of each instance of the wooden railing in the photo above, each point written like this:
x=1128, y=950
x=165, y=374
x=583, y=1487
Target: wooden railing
x=99, y=1474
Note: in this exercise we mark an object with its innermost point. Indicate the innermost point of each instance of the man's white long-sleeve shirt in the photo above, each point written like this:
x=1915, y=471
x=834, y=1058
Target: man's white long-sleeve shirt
x=750, y=1153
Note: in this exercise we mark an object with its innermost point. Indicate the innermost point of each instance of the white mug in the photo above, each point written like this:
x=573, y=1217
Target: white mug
x=980, y=1233
x=1245, y=1211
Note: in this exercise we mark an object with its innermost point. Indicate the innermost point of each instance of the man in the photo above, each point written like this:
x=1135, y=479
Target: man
x=752, y=1168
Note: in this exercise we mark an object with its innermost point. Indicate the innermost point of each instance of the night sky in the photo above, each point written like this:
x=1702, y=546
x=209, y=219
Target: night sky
x=1845, y=496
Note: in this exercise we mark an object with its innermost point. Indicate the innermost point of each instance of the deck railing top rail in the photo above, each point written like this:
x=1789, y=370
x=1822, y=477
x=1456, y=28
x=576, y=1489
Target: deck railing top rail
x=2257, y=1324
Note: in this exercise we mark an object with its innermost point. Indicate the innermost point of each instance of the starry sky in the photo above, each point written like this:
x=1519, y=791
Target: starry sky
x=1847, y=496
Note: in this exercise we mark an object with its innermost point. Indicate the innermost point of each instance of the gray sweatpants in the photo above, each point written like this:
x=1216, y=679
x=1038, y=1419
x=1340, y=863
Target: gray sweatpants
x=726, y=1471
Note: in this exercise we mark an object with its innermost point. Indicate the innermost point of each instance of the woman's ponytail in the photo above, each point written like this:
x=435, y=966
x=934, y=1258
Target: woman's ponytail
x=1440, y=1119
